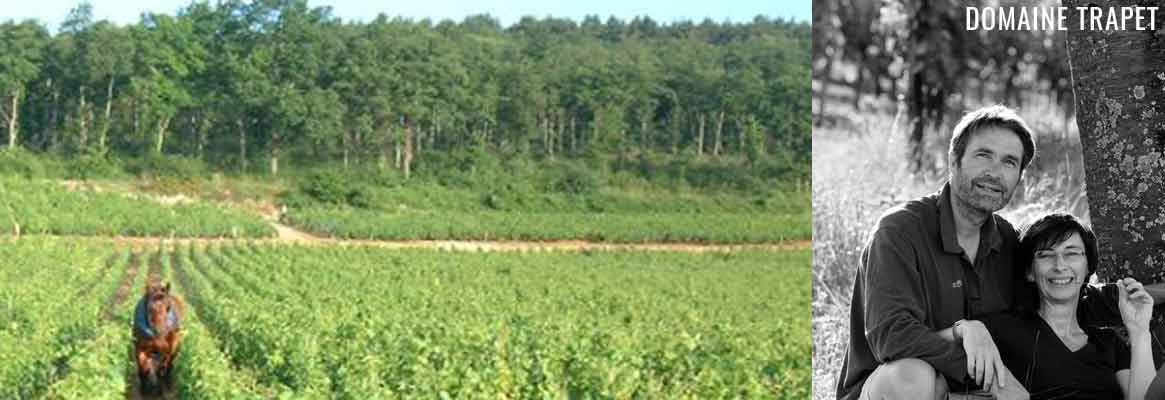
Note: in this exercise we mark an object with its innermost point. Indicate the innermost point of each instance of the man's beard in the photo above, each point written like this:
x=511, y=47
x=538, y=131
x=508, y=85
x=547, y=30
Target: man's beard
x=967, y=190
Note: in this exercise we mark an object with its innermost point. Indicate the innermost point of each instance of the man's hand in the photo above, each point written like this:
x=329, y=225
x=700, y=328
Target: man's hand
x=983, y=361
x=1135, y=304
x=1013, y=390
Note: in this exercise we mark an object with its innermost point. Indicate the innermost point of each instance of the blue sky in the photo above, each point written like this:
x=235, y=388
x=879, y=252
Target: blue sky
x=52, y=12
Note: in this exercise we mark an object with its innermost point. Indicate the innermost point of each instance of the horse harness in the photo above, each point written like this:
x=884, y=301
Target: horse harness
x=142, y=321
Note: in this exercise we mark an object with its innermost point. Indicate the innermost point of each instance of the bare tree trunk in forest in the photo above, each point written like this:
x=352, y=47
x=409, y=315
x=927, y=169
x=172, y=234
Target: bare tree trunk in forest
x=101, y=138
x=858, y=86
x=161, y=138
x=274, y=154
x=84, y=126
x=242, y=145
x=136, y=117
x=674, y=121
x=418, y=144
x=544, y=127
x=53, y=124
x=396, y=154
x=560, y=120
x=644, y=133
x=596, y=125
x=357, y=145
x=740, y=129
x=700, y=136
x=823, y=94
x=203, y=126
x=346, y=142
x=573, y=137
x=13, y=126
x=407, y=162
x=1120, y=105
x=719, y=129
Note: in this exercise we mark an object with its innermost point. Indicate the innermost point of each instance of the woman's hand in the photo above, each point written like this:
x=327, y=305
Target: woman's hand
x=983, y=361
x=1135, y=304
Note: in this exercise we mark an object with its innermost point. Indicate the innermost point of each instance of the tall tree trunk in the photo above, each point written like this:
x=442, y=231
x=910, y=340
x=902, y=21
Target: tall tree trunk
x=573, y=136
x=346, y=143
x=101, y=139
x=740, y=128
x=161, y=138
x=203, y=127
x=644, y=133
x=418, y=143
x=560, y=120
x=825, y=80
x=396, y=156
x=274, y=167
x=137, y=117
x=84, y=125
x=700, y=137
x=407, y=162
x=673, y=121
x=13, y=126
x=1120, y=108
x=858, y=86
x=242, y=145
x=54, y=118
x=719, y=129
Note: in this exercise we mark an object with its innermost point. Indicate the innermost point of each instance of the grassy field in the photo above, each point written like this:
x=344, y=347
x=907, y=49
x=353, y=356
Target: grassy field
x=46, y=207
x=268, y=321
x=531, y=226
x=521, y=211
x=860, y=170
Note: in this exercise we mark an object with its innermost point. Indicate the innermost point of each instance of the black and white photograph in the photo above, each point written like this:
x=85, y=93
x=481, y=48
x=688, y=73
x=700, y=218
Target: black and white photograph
x=988, y=207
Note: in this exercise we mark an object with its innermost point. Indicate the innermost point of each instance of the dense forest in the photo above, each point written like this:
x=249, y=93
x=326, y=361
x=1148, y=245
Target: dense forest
x=246, y=86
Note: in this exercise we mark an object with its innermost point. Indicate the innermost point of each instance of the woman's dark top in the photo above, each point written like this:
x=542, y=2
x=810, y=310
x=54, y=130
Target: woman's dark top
x=1048, y=369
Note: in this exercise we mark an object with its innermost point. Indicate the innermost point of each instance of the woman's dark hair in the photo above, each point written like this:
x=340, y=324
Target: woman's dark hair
x=1046, y=232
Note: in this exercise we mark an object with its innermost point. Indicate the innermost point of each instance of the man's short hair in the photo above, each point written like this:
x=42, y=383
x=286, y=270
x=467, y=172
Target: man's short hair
x=991, y=116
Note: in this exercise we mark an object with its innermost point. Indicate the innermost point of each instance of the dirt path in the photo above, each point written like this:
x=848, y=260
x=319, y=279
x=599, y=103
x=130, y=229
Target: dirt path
x=123, y=290
x=457, y=245
x=290, y=235
x=133, y=388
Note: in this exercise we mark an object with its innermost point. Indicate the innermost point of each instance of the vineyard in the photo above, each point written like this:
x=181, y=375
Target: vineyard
x=601, y=227
x=43, y=207
x=267, y=320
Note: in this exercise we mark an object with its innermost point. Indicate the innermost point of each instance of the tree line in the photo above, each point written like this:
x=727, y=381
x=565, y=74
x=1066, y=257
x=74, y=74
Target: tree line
x=243, y=83
x=921, y=50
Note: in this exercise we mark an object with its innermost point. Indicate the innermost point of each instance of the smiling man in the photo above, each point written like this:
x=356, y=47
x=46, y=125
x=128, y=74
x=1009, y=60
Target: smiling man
x=937, y=264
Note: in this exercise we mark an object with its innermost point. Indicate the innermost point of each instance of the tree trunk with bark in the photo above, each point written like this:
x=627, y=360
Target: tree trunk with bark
x=719, y=130
x=12, y=114
x=573, y=136
x=1120, y=104
x=101, y=138
x=161, y=137
x=700, y=135
x=274, y=167
x=407, y=161
x=84, y=125
x=242, y=145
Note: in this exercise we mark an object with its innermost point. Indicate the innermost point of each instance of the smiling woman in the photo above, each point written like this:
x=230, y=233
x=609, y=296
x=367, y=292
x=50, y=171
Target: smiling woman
x=1058, y=344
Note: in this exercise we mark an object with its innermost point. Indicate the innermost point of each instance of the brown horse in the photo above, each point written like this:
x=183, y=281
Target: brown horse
x=157, y=333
